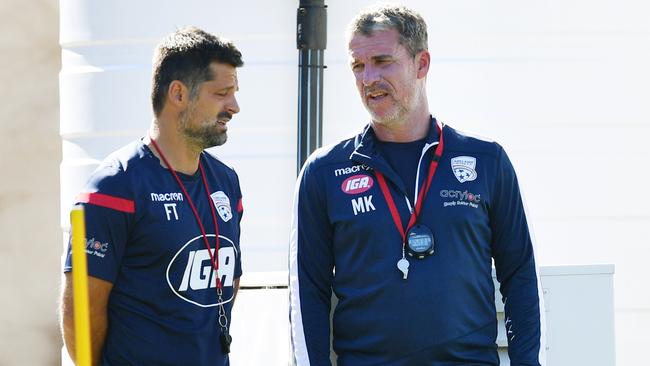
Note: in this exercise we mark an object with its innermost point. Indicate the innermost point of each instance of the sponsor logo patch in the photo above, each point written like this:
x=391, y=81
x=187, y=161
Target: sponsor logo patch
x=460, y=198
x=96, y=248
x=190, y=275
x=222, y=204
x=357, y=184
x=464, y=168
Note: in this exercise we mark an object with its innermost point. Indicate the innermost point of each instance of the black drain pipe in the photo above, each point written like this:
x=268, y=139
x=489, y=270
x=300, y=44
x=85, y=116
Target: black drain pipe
x=311, y=40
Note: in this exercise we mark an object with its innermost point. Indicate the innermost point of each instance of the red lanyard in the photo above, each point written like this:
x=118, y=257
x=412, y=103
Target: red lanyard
x=213, y=258
x=423, y=191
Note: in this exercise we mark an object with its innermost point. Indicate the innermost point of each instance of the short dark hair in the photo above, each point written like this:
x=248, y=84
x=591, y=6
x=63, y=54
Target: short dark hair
x=410, y=25
x=186, y=55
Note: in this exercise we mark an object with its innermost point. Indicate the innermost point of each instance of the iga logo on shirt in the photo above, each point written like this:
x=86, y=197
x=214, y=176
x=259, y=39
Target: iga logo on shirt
x=190, y=274
x=357, y=184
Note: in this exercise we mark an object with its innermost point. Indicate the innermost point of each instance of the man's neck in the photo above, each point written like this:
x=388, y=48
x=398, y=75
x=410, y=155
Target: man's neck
x=182, y=157
x=412, y=128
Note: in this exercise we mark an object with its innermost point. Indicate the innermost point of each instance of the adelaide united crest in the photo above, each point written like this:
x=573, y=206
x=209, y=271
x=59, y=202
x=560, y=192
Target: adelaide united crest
x=464, y=168
x=222, y=204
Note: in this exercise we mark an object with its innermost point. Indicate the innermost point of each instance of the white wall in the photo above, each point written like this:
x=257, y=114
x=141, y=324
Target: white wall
x=563, y=85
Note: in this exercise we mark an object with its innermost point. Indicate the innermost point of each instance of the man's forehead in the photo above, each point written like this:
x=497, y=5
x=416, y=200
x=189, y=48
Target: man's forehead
x=380, y=42
x=224, y=73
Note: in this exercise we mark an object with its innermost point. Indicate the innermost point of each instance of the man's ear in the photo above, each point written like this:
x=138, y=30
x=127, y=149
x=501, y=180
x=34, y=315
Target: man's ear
x=178, y=94
x=422, y=62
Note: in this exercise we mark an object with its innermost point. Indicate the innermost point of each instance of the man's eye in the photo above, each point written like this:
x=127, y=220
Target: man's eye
x=357, y=67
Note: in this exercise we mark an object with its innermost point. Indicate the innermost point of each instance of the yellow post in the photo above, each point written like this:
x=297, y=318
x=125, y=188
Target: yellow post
x=80, y=284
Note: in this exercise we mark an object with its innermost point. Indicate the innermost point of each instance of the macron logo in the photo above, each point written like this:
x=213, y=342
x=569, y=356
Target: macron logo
x=351, y=169
x=166, y=197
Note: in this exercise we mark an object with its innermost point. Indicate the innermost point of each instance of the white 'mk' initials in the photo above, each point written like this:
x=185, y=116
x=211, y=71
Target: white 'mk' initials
x=362, y=204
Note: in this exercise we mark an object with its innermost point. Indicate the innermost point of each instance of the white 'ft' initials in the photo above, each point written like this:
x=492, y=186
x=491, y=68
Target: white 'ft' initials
x=170, y=208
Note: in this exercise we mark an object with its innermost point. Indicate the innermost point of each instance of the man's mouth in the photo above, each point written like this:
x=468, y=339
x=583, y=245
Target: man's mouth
x=376, y=95
x=223, y=118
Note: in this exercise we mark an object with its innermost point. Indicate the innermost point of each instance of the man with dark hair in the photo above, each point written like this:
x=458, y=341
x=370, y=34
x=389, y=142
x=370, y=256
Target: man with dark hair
x=403, y=221
x=163, y=220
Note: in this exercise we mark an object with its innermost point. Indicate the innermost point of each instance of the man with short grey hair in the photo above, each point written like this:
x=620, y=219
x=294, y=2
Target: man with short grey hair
x=403, y=221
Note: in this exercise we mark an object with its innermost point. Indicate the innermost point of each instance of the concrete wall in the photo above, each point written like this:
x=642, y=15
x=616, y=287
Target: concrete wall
x=30, y=152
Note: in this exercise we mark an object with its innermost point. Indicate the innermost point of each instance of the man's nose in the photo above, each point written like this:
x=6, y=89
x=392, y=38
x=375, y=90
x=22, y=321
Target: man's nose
x=370, y=76
x=233, y=106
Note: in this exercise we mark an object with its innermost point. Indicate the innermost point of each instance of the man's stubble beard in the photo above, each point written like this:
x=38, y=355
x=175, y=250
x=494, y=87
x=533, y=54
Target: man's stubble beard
x=203, y=136
x=390, y=119
x=397, y=113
